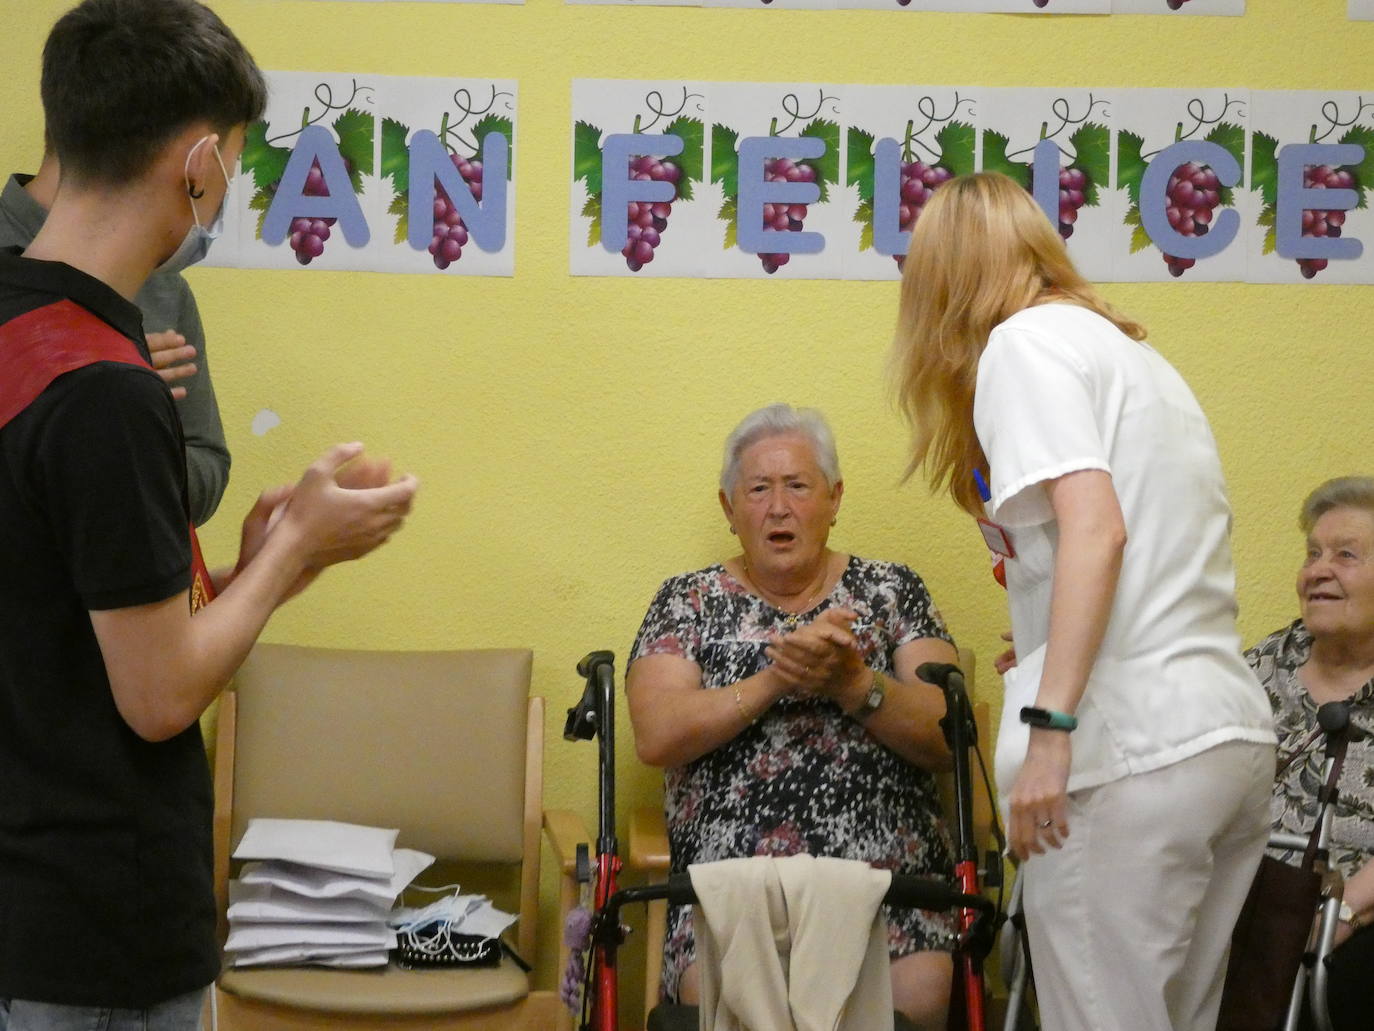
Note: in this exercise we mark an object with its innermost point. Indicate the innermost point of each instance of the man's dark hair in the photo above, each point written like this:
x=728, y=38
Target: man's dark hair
x=122, y=77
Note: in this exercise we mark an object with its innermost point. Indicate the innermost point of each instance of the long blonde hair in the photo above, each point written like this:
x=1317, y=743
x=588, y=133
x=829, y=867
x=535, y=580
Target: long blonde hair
x=981, y=251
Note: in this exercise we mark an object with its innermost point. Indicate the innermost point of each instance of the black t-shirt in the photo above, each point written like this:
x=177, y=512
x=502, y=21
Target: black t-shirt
x=106, y=891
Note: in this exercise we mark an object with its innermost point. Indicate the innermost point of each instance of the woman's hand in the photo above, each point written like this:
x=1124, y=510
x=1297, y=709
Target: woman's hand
x=1039, y=800
x=1006, y=660
x=820, y=658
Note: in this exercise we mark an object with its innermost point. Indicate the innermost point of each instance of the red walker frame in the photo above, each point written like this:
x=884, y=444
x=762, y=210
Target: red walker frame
x=594, y=717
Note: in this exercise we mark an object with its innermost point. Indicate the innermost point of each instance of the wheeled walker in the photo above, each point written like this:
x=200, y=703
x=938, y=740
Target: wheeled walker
x=594, y=717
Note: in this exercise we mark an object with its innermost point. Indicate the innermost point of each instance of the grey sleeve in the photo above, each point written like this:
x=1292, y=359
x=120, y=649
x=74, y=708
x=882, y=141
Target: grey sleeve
x=167, y=303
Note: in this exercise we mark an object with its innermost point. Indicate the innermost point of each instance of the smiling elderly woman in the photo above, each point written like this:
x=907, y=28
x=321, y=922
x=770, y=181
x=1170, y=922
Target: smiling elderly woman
x=1328, y=655
x=778, y=688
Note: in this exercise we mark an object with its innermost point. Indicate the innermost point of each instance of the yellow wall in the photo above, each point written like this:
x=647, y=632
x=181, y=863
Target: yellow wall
x=567, y=430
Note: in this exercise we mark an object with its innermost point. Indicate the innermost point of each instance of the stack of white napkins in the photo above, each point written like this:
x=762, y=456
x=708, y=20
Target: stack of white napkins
x=317, y=892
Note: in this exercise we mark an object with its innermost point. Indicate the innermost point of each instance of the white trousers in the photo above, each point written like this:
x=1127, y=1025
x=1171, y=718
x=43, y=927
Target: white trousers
x=1130, y=922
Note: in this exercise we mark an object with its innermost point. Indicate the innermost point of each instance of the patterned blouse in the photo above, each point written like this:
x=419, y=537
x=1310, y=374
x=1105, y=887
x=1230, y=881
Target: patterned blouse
x=1294, y=806
x=804, y=777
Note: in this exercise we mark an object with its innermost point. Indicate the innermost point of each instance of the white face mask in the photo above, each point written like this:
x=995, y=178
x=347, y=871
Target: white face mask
x=196, y=243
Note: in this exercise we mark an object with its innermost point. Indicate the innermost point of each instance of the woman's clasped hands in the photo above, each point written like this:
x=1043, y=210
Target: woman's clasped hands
x=822, y=658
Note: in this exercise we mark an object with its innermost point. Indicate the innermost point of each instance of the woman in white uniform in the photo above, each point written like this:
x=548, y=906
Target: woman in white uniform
x=1137, y=749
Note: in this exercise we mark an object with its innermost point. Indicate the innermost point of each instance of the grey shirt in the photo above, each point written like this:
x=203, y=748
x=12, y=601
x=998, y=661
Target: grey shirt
x=167, y=303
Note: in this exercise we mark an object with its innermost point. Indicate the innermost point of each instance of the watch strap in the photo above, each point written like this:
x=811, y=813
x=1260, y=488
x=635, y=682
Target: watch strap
x=877, y=691
x=1049, y=719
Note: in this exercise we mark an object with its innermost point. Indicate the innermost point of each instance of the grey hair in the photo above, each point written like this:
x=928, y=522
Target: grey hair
x=1342, y=492
x=778, y=420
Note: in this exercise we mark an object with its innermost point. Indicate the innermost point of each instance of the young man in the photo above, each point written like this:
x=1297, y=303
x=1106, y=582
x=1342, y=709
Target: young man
x=174, y=333
x=109, y=649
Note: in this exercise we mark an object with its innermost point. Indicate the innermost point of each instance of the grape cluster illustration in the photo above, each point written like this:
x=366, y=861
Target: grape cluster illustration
x=309, y=234
x=1323, y=223
x=646, y=222
x=918, y=182
x=784, y=217
x=1174, y=5
x=1193, y=194
x=450, y=234
x=1073, y=182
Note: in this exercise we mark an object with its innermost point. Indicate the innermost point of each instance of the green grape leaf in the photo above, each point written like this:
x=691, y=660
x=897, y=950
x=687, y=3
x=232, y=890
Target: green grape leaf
x=489, y=125
x=261, y=158
x=693, y=157
x=1364, y=171
x=262, y=217
x=995, y=159
x=587, y=156
x=725, y=159
x=864, y=216
x=1266, y=218
x=1231, y=138
x=262, y=200
x=1140, y=239
x=1130, y=166
x=729, y=214
x=400, y=206
x=1264, y=168
x=827, y=166
x=859, y=162
x=1093, y=145
x=395, y=154
x=592, y=210
x=956, y=140
x=355, y=129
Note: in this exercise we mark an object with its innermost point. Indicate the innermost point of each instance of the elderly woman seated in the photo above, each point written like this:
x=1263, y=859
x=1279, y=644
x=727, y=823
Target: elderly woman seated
x=1328, y=655
x=778, y=690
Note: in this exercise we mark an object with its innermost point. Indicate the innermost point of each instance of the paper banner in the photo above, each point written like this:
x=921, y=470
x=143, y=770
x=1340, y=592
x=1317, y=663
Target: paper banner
x=1163, y=234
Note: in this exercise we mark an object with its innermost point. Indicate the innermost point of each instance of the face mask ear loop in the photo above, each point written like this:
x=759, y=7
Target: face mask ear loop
x=191, y=191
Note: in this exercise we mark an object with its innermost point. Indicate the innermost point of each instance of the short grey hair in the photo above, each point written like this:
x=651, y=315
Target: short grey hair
x=1342, y=492
x=777, y=420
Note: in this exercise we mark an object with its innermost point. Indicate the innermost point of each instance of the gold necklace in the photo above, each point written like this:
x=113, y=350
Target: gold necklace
x=790, y=619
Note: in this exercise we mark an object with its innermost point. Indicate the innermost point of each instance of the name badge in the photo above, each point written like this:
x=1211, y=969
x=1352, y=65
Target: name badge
x=997, y=538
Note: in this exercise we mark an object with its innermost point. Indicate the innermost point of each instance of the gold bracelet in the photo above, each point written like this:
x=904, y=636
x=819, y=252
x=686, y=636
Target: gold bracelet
x=739, y=704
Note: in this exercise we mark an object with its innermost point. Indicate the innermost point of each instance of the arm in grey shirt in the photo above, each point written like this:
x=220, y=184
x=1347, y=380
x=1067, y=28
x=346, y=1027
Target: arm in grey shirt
x=167, y=303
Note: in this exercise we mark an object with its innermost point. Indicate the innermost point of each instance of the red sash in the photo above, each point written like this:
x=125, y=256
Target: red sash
x=47, y=342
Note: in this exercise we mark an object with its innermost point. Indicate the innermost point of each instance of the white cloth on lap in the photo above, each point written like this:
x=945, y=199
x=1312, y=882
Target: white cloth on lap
x=793, y=943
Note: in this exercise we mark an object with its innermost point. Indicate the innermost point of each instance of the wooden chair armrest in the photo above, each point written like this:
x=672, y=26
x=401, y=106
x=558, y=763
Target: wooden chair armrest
x=565, y=831
x=648, y=840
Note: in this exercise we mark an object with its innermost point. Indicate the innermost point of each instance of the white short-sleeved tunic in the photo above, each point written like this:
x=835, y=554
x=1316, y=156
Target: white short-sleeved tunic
x=1061, y=389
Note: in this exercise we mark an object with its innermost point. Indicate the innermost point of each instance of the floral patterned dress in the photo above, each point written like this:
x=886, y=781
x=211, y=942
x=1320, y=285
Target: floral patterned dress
x=804, y=777
x=1293, y=808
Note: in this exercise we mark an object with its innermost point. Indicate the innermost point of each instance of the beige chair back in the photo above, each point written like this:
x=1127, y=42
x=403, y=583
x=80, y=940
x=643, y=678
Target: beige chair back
x=433, y=743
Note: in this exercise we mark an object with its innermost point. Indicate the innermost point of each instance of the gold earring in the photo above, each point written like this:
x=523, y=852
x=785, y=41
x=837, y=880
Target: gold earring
x=732, y=530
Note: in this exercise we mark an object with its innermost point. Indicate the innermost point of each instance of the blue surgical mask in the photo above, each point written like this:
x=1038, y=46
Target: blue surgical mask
x=196, y=243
